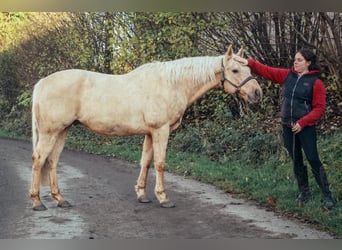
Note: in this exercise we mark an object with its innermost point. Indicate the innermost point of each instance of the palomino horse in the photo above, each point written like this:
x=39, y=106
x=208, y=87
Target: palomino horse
x=149, y=100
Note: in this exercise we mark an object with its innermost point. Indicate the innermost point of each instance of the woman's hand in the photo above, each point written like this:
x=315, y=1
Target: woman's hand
x=296, y=128
x=241, y=60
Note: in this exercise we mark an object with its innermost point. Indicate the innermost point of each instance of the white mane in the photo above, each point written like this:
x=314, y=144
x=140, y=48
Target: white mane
x=197, y=69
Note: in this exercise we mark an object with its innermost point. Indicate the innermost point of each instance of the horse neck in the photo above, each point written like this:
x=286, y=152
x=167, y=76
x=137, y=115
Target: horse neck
x=199, y=90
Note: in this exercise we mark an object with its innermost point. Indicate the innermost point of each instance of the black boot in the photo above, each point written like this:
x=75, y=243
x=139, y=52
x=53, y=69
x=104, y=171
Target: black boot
x=328, y=202
x=322, y=181
x=303, y=186
x=304, y=196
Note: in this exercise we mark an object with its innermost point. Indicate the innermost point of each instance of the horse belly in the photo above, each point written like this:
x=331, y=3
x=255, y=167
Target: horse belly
x=115, y=130
x=107, y=125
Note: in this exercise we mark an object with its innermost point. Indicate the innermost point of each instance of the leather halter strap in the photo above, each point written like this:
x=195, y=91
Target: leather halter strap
x=238, y=87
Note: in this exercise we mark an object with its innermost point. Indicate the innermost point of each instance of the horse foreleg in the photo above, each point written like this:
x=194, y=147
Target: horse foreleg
x=160, y=140
x=53, y=161
x=145, y=164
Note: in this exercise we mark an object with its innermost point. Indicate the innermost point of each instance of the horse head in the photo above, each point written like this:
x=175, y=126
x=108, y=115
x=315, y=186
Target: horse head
x=237, y=78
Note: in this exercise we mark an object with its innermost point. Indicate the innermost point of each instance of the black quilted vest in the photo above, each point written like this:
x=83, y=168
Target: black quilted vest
x=297, y=97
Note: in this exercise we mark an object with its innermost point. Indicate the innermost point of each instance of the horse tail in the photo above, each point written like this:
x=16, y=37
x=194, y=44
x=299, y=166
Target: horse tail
x=35, y=135
x=34, y=122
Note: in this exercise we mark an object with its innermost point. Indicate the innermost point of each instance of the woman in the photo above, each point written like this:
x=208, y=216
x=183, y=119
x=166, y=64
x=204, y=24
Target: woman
x=303, y=104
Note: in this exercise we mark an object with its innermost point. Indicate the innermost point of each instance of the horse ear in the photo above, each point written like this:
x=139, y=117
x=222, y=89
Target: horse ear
x=240, y=52
x=229, y=52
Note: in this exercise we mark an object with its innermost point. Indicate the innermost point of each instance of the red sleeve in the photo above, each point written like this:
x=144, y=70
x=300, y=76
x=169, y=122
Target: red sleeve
x=277, y=75
x=318, y=105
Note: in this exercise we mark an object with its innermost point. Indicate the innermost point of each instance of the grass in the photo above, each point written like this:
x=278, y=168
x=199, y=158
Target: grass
x=237, y=171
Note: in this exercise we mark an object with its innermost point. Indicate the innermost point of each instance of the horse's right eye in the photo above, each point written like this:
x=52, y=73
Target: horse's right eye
x=235, y=71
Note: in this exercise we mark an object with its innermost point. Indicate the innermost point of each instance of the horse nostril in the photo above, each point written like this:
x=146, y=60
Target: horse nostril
x=258, y=95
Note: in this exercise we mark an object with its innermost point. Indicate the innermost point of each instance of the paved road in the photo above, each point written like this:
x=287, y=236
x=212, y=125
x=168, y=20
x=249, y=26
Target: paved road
x=105, y=207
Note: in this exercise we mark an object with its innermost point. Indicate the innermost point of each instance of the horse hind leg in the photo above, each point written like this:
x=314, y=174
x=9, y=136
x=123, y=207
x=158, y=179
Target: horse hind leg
x=40, y=154
x=145, y=164
x=53, y=162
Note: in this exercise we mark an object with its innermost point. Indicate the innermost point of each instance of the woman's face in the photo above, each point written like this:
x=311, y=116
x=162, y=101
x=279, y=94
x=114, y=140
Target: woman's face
x=300, y=64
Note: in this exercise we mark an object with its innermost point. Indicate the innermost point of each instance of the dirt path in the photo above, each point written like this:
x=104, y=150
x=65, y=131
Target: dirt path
x=105, y=207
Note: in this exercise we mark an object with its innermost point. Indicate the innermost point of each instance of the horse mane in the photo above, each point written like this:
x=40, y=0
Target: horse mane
x=197, y=69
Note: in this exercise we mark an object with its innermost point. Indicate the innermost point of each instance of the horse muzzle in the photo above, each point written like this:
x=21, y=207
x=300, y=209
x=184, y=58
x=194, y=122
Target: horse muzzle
x=255, y=97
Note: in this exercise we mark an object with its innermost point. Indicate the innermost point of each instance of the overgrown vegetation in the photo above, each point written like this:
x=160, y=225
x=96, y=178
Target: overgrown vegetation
x=242, y=155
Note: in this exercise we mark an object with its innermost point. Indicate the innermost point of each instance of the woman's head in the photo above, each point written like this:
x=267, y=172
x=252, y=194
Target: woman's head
x=306, y=60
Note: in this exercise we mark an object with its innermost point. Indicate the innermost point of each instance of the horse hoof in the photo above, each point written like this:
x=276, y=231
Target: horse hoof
x=64, y=204
x=40, y=207
x=168, y=204
x=144, y=200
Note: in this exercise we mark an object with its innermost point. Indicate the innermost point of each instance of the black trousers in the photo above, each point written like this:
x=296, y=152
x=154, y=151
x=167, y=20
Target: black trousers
x=305, y=140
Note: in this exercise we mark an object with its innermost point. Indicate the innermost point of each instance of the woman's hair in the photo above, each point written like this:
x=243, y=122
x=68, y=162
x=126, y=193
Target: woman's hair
x=309, y=55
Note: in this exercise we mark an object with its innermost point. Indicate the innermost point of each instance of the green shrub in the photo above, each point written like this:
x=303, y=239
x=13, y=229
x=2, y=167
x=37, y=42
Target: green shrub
x=9, y=85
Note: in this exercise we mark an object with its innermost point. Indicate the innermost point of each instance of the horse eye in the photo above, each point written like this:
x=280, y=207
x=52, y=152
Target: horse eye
x=235, y=71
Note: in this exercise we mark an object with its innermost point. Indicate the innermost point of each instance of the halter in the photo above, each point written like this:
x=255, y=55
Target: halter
x=238, y=87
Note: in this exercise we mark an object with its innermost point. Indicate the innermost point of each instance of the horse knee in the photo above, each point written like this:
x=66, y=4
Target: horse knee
x=160, y=166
